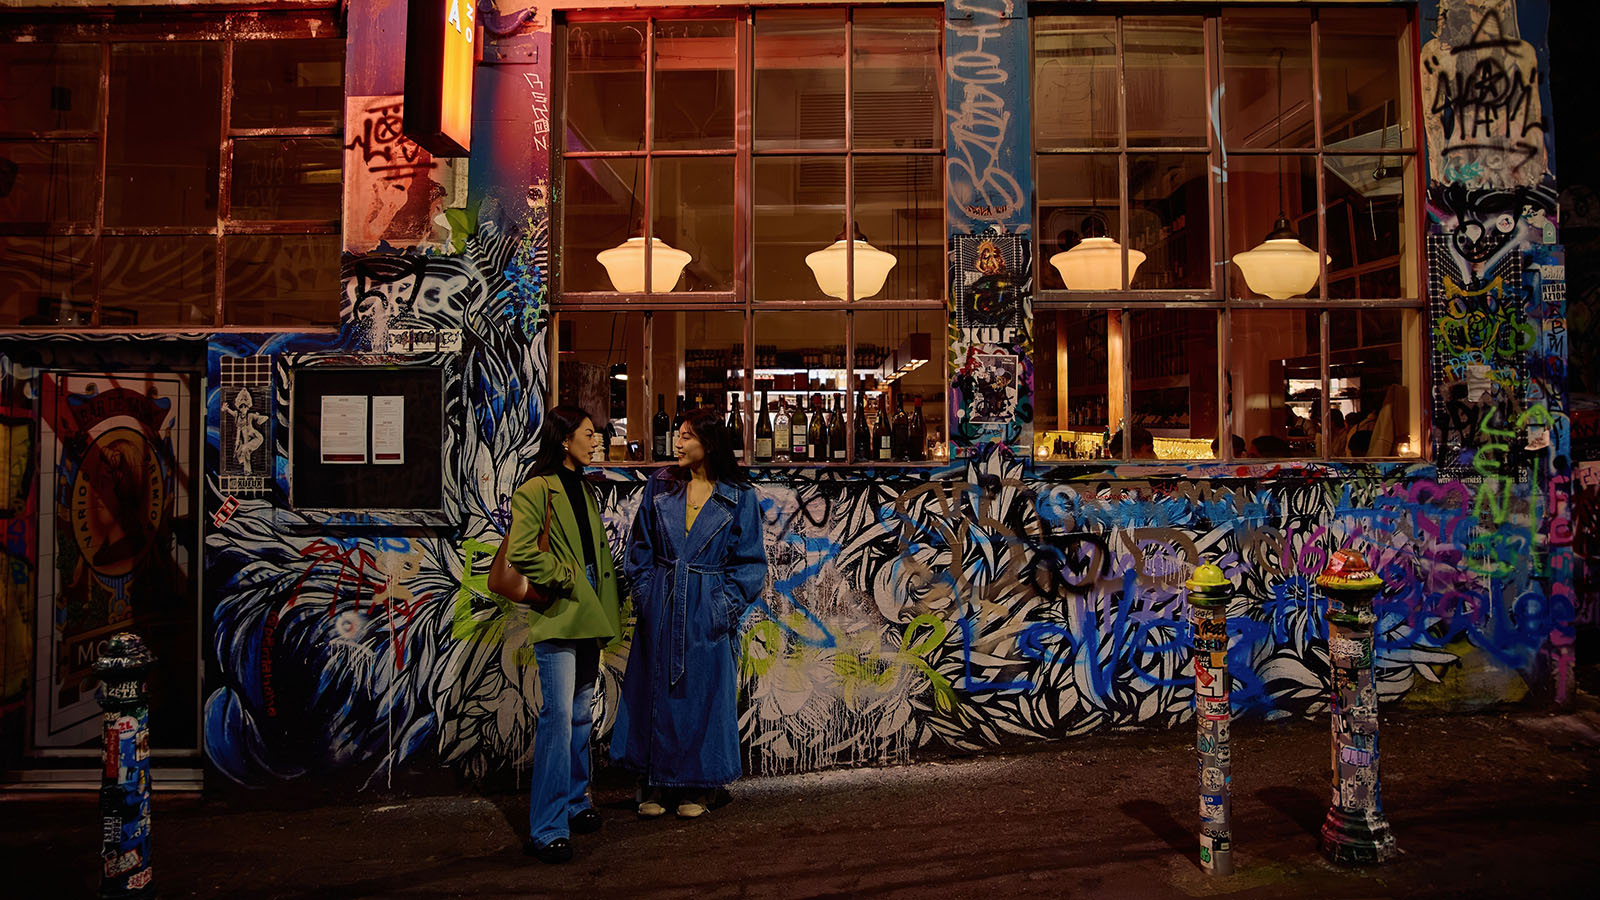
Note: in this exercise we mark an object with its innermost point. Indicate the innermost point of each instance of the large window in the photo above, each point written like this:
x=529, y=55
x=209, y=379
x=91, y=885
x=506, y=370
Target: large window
x=1227, y=268
x=177, y=173
x=752, y=220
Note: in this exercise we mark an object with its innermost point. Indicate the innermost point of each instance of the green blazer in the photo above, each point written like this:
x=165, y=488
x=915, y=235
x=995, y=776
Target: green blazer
x=579, y=610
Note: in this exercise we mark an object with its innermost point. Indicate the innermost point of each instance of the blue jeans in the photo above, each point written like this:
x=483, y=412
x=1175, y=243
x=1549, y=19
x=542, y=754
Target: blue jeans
x=560, y=783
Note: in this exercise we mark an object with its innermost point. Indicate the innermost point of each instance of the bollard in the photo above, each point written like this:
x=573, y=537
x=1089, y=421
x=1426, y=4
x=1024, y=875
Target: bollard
x=1355, y=831
x=1209, y=592
x=125, y=778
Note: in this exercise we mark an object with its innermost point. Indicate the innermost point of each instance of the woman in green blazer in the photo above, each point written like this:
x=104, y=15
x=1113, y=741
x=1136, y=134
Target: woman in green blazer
x=584, y=615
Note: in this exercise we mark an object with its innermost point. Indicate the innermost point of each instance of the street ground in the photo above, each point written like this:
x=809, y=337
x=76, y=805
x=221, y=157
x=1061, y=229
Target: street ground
x=1485, y=805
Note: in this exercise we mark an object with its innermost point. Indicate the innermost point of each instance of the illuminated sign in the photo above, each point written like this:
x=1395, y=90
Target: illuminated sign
x=441, y=50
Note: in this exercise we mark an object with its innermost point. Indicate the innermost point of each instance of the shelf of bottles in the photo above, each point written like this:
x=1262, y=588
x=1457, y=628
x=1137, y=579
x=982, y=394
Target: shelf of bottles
x=813, y=430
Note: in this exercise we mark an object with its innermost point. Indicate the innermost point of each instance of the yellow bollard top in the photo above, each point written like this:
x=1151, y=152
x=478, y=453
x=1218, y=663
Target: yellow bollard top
x=1208, y=578
x=1348, y=571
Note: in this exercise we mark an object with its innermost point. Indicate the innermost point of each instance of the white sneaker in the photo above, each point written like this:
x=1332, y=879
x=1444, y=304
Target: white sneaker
x=692, y=807
x=650, y=803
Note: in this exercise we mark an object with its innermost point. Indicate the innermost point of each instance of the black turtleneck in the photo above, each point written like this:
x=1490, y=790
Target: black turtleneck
x=578, y=491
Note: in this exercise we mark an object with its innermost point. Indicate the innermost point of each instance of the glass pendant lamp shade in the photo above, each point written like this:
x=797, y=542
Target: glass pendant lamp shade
x=625, y=264
x=872, y=267
x=1280, y=267
x=1095, y=264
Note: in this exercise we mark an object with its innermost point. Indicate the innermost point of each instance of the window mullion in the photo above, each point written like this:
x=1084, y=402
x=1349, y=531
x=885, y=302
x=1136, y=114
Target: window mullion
x=224, y=180
x=849, y=159
x=1322, y=185
x=1123, y=187
x=649, y=145
x=100, y=196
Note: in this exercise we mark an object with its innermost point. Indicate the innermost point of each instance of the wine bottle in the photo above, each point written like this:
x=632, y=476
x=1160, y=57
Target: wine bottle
x=919, y=432
x=817, y=437
x=677, y=419
x=798, y=433
x=881, y=433
x=836, y=431
x=863, y=430
x=781, y=437
x=736, y=428
x=660, y=426
x=764, y=433
x=900, y=430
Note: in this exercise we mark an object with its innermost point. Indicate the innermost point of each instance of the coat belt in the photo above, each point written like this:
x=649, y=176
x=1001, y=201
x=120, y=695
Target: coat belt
x=679, y=617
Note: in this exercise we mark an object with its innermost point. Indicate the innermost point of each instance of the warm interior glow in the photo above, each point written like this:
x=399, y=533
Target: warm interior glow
x=1095, y=264
x=625, y=265
x=872, y=268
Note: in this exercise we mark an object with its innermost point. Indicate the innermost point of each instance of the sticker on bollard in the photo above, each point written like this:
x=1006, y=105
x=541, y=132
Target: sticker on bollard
x=1355, y=830
x=1209, y=593
x=125, y=776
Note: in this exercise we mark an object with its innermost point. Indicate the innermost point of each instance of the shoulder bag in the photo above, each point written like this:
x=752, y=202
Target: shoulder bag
x=513, y=585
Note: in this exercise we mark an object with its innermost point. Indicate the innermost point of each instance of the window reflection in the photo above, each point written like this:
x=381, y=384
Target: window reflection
x=1275, y=380
x=605, y=86
x=600, y=366
x=1374, y=376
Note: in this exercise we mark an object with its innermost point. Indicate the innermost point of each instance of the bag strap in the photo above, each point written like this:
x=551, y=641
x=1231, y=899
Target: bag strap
x=544, y=530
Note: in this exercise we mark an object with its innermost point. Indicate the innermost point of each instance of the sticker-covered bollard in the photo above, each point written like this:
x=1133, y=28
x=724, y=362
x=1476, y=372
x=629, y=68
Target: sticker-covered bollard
x=125, y=778
x=1355, y=831
x=1209, y=592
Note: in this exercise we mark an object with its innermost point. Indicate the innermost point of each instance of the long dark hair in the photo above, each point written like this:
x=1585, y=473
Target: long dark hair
x=560, y=423
x=717, y=442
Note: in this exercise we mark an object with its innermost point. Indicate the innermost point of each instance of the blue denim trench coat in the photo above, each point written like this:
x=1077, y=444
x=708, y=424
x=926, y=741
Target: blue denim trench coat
x=679, y=723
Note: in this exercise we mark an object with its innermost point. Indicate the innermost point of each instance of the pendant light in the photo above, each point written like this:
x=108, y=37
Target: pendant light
x=1095, y=262
x=872, y=266
x=1280, y=266
x=625, y=265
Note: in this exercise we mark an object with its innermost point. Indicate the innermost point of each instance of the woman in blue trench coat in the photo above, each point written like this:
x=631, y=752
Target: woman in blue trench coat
x=697, y=561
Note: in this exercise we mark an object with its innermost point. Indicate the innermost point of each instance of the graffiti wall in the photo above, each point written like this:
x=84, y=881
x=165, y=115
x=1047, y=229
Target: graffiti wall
x=977, y=605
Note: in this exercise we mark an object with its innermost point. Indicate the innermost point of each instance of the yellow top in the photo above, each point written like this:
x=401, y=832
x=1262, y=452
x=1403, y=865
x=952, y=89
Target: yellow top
x=691, y=511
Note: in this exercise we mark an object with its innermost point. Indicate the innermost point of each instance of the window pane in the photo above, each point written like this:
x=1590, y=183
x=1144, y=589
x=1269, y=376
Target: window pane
x=600, y=368
x=285, y=178
x=158, y=280
x=900, y=210
x=282, y=280
x=605, y=86
x=895, y=79
x=49, y=87
x=900, y=372
x=1073, y=376
x=1075, y=82
x=1259, y=189
x=1164, y=62
x=699, y=360
x=1174, y=384
x=1078, y=199
x=1263, y=51
x=53, y=183
x=1275, y=364
x=694, y=213
x=694, y=84
x=47, y=280
x=163, y=133
x=799, y=209
x=1364, y=102
x=287, y=83
x=799, y=80
x=799, y=359
x=1169, y=218
x=599, y=211
x=1368, y=227
x=1374, y=377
